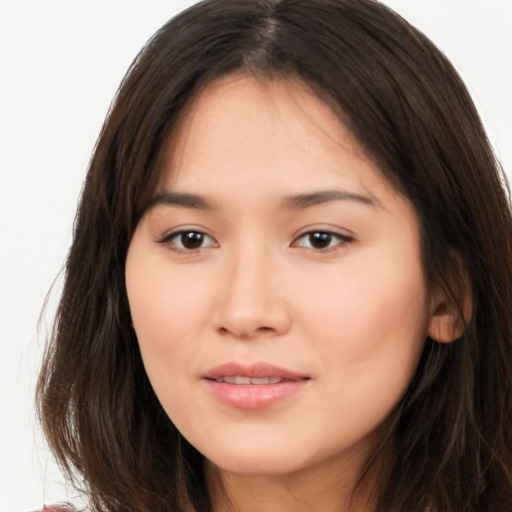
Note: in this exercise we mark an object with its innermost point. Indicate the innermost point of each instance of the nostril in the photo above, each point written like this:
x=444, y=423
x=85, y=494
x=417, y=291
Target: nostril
x=246, y=333
x=249, y=320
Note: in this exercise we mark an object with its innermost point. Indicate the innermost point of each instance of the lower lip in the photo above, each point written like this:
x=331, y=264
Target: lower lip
x=254, y=396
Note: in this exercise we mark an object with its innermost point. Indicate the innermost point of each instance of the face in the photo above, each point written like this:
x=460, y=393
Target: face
x=275, y=283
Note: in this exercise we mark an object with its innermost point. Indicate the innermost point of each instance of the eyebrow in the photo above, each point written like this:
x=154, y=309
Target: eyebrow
x=300, y=201
x=183, y=199
x=325, y=196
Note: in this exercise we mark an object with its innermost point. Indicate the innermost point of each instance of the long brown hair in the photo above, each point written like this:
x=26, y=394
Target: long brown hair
x=407, y=106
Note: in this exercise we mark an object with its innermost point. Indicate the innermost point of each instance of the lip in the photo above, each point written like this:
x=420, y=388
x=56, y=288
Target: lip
x=253, y=396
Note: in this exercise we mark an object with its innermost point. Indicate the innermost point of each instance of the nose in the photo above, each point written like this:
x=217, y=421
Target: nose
x=252, y=301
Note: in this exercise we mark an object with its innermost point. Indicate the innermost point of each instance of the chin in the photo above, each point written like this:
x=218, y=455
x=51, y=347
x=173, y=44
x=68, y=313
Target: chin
x=258, y=465
x=264, y=459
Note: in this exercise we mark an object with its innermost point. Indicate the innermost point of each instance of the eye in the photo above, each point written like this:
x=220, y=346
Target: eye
x=321, y=240
x=188, y=240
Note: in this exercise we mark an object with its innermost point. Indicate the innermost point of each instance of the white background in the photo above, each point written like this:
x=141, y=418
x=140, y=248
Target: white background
x=60, y=65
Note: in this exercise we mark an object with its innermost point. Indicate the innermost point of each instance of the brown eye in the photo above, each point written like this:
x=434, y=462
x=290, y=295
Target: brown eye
x=188, y=241
x=191, y=239
x=321, y=240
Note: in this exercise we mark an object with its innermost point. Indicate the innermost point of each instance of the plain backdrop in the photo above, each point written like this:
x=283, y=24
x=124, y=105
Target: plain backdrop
x=60, y=65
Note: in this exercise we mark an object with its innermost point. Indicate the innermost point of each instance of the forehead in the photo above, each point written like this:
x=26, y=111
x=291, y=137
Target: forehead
x=252, y=133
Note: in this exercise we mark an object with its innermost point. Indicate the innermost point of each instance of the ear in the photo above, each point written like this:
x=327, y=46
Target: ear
x=450, y=313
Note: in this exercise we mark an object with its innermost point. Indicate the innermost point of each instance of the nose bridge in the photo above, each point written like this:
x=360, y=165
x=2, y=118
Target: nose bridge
x=250, y=276
x=251, y=302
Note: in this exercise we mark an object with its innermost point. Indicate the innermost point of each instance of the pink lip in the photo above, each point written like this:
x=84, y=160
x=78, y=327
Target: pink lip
x=253, y=396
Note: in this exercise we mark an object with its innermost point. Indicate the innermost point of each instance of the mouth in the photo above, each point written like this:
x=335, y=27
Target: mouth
x=255, y=386
x=260, y=373
x=244, y=380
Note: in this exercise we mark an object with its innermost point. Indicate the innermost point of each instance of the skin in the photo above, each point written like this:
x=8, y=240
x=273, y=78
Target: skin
x=352, y=317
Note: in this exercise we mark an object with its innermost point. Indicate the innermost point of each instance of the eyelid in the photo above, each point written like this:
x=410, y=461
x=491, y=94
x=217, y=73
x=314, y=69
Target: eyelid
x=342, y=239
x=167, y=239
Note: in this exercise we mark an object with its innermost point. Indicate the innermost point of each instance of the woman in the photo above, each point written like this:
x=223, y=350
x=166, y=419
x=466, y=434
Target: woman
x=289, y=286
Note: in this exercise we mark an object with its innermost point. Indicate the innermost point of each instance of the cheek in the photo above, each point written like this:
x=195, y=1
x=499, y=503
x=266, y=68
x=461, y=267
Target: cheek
x=162, y=315
x=169, y=309
x=369, y=325
x=168, y=312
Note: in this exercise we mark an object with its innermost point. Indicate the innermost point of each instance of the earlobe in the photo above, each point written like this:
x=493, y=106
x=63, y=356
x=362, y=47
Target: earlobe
x=450, y=317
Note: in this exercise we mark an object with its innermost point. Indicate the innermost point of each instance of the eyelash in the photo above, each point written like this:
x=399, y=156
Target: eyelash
x=320, y=235
x=325, y=235
x=171, y=238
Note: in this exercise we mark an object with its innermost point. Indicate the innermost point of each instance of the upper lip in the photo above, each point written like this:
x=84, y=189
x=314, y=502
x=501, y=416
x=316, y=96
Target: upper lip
x=255, y=370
